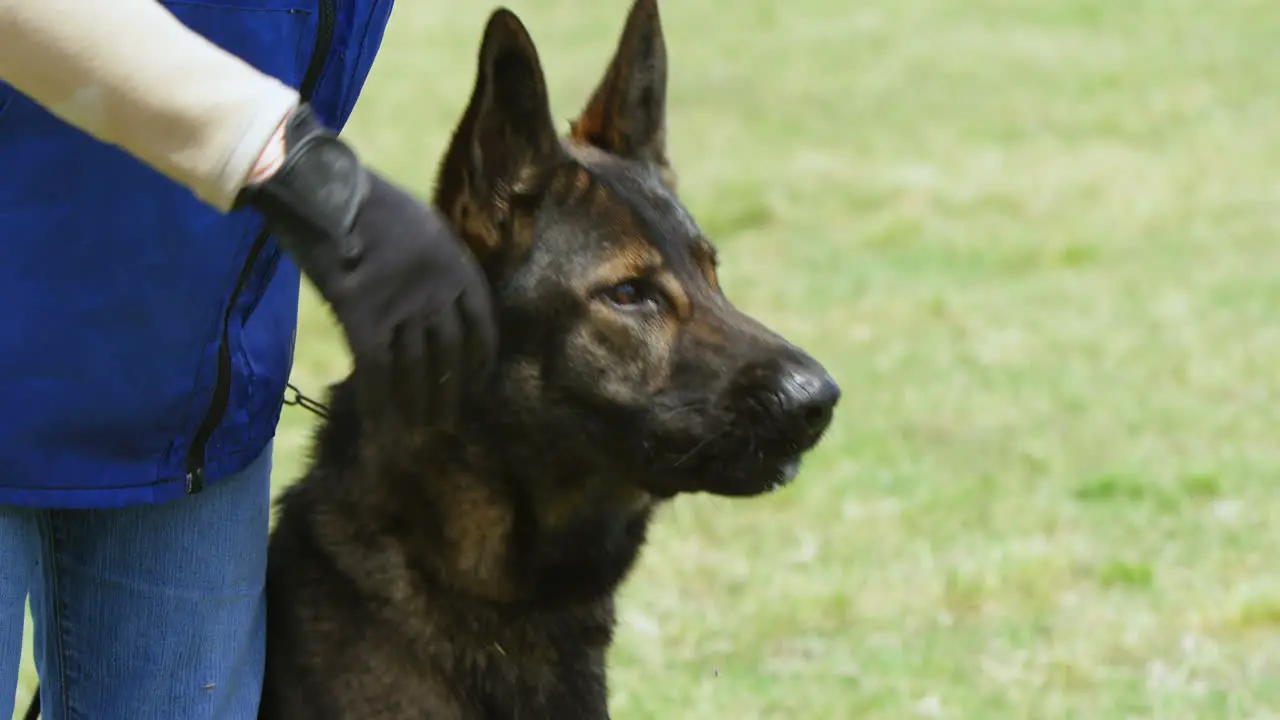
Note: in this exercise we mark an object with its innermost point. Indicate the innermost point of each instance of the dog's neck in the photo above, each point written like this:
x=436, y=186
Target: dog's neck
x=479, y=521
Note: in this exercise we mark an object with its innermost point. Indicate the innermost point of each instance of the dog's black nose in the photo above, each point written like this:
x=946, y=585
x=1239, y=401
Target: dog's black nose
x=808, y=395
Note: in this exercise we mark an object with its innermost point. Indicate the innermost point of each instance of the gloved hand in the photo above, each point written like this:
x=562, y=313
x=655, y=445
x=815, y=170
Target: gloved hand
x=412, y=301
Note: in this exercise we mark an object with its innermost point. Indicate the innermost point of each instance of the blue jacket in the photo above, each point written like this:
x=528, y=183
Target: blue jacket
x=146, y=338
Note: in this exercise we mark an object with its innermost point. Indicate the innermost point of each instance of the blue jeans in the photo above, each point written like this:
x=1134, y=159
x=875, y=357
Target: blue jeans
x=144, y=613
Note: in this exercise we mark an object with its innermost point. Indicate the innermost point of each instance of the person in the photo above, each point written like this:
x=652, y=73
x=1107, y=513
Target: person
x=170, y=171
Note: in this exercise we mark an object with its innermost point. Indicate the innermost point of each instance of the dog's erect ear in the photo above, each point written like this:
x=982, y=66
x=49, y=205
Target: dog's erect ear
x=505, y=137
x=627, y=114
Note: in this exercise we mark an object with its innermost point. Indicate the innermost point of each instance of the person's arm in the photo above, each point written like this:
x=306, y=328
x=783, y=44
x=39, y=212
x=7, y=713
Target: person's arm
x=397, y=277
x=131, y=74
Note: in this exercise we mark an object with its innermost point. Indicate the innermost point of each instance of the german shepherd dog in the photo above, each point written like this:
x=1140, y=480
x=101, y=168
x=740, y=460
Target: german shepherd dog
x=470, y=572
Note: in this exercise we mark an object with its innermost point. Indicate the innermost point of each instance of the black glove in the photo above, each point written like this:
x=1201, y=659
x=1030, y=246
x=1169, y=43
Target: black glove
x=411, y=299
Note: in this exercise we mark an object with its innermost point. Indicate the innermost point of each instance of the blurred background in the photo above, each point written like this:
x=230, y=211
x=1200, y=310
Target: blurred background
x=1038, y=244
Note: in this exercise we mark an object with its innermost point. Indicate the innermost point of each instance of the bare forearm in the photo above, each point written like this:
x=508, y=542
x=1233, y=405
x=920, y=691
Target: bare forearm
x=131, y=74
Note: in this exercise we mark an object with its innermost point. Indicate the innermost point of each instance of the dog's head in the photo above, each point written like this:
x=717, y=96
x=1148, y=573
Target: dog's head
x=620, y=353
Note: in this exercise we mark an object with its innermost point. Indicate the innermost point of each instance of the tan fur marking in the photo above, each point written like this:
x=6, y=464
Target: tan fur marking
x=679, y=297
x=473, y=225
x=478, y=527
x=705, y=256
x=633, y=259
x=581, y=181
x=557, y=511
x=593, y=125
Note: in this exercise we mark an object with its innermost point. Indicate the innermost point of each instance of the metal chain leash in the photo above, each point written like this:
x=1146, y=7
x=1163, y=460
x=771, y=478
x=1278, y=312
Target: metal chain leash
x=296, y=398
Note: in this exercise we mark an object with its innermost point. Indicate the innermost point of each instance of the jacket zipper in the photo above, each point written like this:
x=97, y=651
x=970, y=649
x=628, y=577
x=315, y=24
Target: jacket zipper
x=222, y=387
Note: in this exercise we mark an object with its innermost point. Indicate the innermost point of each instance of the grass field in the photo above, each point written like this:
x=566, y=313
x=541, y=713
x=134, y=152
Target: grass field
x=1038, y=243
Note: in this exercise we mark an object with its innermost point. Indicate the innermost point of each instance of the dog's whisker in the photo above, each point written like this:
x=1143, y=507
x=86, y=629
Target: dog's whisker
x=698, y=447
x=678, y=410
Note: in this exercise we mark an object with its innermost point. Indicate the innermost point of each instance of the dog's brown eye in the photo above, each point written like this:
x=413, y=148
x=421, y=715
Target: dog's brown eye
x=633, y=294
x=624, y=294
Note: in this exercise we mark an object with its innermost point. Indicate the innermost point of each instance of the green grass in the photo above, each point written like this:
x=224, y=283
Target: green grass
x=1038, y=243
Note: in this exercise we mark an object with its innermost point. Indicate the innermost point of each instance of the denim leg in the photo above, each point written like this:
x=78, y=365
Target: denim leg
x=19, y=553
x=156, y=612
